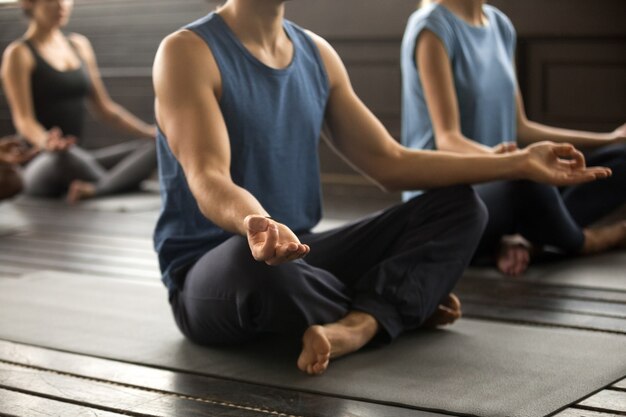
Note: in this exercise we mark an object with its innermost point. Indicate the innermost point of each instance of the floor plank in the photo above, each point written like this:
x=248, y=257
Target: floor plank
x=18, y=404
x=574, y=412
x=606, y=400
x=621, y=384
x=113, y=397
x=71, y=265
x=99, y=375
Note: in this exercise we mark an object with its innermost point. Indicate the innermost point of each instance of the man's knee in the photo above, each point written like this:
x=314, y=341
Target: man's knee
x=465, y=201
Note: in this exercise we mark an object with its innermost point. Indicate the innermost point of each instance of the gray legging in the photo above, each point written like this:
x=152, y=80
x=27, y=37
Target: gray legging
x=112, y=169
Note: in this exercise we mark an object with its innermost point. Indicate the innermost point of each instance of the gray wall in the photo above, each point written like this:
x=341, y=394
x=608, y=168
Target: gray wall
x=571, y=55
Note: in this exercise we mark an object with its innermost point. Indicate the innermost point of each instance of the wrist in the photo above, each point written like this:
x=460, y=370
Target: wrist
x=518, y=163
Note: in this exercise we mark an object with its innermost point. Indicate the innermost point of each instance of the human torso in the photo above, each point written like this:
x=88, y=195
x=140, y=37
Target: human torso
x=60, y=84
x=481, y=59
x=273, y=117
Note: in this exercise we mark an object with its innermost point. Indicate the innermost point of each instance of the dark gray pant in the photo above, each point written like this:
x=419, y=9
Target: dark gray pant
x=396, y=265
x=112, y=169
x=546, y=215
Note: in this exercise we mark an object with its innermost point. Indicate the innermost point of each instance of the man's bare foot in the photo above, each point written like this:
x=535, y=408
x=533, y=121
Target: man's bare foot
x=320, y=344
x=514, y=255
x=600, y=239
x=80, y=190
x=447, y=312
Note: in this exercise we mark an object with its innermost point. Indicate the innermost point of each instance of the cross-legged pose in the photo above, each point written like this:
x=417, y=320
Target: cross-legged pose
x=460, y=94
x=48, y=77
x=12, y=154
x=241, y=97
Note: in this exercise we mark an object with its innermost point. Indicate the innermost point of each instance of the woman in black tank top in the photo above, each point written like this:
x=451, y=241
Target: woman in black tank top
x=48, y=78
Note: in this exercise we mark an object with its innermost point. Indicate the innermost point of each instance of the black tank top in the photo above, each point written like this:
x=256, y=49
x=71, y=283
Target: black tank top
x=59, y=96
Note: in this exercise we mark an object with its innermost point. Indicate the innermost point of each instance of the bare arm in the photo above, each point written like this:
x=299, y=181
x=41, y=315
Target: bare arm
x=17, y=67
x=363, y=140
x=188, y=84
x=108, y=110
x=436, y=74
x=531, y=132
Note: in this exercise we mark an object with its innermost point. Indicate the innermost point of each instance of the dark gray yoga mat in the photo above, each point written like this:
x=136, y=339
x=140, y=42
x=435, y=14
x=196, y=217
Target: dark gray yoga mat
x=11, y=220
x=606, y=271
x=474, y=367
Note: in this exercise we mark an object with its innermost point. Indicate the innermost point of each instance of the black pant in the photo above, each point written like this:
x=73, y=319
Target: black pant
x=546, y=215
x=396, y=265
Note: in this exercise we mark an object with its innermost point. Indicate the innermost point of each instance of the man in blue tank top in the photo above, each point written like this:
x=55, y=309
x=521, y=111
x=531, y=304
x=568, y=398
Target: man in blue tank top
x=241, y=97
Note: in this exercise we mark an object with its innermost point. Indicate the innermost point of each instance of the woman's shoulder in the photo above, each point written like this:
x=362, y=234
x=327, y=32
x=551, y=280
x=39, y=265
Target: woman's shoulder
x=82, y=45
x=501, y=19
x=78, y=40
x=18, y=53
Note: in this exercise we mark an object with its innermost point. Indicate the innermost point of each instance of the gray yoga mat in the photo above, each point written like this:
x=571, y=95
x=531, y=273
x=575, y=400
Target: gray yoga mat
x=472, y=368
x=606, y=271
x=11, y=220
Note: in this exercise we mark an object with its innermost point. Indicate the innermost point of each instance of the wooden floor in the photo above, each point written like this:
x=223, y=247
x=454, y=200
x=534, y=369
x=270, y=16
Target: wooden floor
x=36, y=380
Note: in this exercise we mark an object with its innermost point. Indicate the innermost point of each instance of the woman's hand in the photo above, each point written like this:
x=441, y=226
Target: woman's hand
x=13, y=152
x=559, y=164
x=56, y=142
x=272, y=242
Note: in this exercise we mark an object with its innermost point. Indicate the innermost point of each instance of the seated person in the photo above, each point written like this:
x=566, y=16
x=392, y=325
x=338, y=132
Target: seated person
x=48, y=77
x=241, y=97
x=460, y=94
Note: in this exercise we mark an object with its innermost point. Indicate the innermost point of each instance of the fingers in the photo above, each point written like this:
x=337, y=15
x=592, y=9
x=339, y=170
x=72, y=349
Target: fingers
x=14, y=152
x=565, y=150
x=266, y=244
x=56, y=142
x=288, y=252
x=580, y=177
x=256, y=223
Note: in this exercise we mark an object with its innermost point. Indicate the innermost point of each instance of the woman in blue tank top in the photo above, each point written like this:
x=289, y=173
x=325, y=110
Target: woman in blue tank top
x=48, y=78
x=460, y=94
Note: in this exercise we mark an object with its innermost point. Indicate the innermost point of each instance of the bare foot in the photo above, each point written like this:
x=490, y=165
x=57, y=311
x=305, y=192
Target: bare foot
x=514, y=255
x=600, y=239
x=320, y=344
x=447, y=312
x=80, y=190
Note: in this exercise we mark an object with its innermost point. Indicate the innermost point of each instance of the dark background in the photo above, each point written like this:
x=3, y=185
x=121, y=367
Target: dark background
x=571, y=57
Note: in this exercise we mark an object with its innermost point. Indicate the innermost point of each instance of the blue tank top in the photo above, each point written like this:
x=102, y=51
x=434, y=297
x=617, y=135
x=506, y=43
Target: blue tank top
x=481, y=59
x=274, y=118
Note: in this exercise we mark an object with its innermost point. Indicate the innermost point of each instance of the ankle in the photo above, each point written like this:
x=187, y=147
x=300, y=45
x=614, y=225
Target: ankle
x=351, y=333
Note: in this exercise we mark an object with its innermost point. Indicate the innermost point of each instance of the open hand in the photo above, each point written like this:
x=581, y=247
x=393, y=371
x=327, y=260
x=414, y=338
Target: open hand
x=559, y=164
x=272, y=242
x=56, y=142
x=13, y=152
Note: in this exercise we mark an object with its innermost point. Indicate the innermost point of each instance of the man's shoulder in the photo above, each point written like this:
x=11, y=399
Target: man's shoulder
x=182, y=42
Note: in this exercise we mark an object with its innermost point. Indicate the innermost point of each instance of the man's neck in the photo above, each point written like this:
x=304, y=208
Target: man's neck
x=469, y=10
x=259, y=26
x=256, y=22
